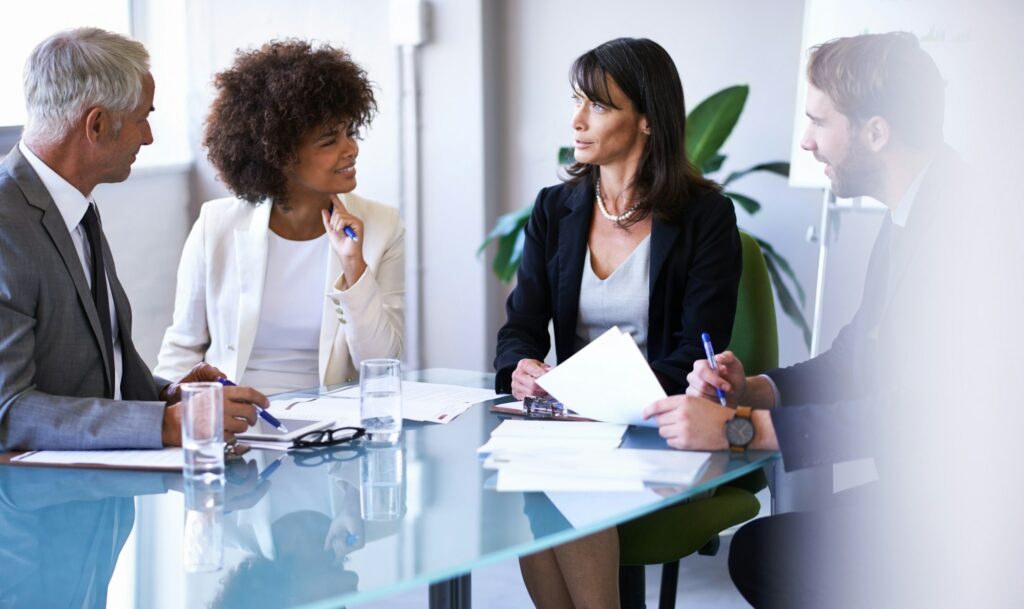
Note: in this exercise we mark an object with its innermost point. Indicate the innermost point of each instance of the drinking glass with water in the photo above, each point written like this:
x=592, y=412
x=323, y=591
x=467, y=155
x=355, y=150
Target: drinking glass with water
x=380, y=399
x=202, y=430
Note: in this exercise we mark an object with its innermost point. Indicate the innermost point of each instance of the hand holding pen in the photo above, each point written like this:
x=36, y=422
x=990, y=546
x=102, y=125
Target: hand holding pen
x=710, y=352
x=719, y=377
x=346, y=234
x=263, y=414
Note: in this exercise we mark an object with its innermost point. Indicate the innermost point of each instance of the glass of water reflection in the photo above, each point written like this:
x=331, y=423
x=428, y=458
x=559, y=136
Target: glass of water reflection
x=380, y=399
x=202, y=430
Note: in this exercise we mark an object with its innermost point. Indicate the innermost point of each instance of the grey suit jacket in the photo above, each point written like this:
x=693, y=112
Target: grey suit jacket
x=51, y=359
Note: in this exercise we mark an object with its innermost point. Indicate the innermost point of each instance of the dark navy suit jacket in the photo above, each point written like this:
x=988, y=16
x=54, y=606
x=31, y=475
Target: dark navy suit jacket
x=833, y=405
x=695, y=271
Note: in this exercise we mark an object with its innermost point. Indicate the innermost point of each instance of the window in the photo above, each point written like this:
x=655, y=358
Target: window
x=29, y=23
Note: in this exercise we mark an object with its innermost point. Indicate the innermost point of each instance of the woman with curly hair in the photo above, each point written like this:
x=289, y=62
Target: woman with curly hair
x=295, y=279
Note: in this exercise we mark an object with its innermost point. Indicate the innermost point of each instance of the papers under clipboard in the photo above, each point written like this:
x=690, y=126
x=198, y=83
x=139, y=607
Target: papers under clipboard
x=163, y=460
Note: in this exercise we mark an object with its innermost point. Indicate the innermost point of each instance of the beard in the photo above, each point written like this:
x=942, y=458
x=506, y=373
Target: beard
x=859, y=174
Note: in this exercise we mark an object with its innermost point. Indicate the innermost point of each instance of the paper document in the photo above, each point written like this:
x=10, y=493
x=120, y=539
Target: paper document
x=167, y=459
x=608, y=380
x=558, y=429
x=514, y=480
x=655, y=466
x=343, y=411
x=431, y=402
x=538, y=445
x=537, y=437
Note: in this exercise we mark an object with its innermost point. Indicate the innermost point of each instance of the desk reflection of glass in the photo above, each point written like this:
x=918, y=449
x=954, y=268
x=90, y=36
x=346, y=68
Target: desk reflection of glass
x=330, y=527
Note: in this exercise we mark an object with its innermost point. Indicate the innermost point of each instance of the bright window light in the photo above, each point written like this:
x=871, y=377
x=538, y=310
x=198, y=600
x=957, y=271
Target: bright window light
x=26, y=24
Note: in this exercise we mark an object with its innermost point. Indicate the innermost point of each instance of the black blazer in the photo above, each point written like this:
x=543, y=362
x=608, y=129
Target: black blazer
x=695, y=272
x=833, y=405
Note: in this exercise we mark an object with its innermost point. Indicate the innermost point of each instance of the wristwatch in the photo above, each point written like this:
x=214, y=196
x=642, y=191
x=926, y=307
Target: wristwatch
x=739, y=430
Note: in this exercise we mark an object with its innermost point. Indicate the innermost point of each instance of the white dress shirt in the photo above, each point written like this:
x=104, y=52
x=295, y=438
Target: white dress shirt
x=72, y=204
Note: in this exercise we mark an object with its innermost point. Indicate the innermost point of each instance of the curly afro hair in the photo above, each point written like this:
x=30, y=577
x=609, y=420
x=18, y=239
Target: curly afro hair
x=269, y=100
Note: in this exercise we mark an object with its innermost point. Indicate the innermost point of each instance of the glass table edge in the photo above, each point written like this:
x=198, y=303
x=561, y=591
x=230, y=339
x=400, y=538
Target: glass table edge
x=572, y=534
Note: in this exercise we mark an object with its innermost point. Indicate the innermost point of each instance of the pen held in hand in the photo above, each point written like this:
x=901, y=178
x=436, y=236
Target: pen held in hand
x=348, y=230
x=266, y=416
x=710, y=352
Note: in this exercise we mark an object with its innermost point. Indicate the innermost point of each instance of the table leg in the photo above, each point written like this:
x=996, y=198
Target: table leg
x=452, y=593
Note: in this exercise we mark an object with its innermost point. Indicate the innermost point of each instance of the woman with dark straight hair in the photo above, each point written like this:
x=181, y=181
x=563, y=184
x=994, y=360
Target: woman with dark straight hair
x=635, y=238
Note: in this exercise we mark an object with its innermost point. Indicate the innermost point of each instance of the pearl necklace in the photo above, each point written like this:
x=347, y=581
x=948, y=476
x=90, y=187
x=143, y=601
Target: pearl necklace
x=604, y=210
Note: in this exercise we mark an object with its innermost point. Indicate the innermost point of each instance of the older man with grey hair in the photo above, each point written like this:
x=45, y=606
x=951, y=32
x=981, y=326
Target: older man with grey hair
x=70, y=377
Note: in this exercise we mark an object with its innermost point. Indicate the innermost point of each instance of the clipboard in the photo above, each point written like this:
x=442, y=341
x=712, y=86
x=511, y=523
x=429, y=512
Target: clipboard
x=516, y=409
x=157, y=460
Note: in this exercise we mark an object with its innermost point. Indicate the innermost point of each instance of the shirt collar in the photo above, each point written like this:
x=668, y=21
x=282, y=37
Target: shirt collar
x=901, y=212
x=70, y=201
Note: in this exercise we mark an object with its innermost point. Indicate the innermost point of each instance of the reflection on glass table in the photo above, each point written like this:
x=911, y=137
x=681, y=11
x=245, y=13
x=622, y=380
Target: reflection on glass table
x=322, y=527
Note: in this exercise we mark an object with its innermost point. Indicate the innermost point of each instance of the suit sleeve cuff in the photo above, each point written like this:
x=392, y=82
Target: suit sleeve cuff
x=356, y=296
x=775, y=390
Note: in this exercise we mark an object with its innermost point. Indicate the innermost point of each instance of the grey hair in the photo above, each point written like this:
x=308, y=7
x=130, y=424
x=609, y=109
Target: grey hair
x=77, y=69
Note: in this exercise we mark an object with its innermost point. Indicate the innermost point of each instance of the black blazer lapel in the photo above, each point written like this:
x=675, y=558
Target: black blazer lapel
x=573, y=230
x=663, y=237
x=933, y=195
x=53, y=222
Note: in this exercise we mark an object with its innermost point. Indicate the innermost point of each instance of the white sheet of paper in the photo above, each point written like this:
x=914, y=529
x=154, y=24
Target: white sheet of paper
x=518, y=444
x=327, y=408
x=430, y=402
x=514, y=480
x=608, y=380
x=656, y=466
x=581, y=509
x=558, y=429
x=169, y=459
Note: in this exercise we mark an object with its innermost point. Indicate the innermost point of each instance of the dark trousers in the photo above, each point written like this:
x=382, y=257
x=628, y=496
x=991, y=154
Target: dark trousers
x=826, y=558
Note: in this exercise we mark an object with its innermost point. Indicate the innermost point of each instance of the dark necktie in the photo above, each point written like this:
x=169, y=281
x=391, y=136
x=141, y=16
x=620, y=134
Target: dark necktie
x=99, y=291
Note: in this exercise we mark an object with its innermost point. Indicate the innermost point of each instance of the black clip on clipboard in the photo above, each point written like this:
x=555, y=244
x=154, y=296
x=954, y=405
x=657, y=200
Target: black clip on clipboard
x=540, y=408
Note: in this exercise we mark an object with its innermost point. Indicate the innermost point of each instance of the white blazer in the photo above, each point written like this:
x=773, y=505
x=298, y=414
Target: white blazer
x=220, y=292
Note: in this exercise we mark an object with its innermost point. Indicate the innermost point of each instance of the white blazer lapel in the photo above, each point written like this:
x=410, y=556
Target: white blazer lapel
x=329, y=325
x=251, y=257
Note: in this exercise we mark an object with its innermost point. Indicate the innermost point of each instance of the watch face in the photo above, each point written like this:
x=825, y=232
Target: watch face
x=739, y=431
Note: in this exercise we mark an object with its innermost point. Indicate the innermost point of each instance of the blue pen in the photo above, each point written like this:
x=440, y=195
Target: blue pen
x=348, y=229
x=710, y=352
x=266, y=416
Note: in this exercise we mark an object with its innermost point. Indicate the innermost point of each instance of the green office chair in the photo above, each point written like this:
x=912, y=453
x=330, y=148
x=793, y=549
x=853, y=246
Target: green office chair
x=668, y=535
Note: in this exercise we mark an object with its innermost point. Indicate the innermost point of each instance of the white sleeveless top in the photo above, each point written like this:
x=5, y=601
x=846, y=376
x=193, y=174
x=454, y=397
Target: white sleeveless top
x=286, y=348
x=622, y=299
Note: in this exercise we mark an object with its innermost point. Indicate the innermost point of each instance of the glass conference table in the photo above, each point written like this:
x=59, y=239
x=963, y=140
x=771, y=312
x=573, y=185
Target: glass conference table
x=290, y=531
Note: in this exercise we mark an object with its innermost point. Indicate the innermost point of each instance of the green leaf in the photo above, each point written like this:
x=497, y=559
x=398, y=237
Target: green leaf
x=770, y=253
x=713, y=164
x=789, y=305
x=509, y=231
x=778, y=167
x=711, y=122
x=566, y=155
x=506, y=225
x=749, y=205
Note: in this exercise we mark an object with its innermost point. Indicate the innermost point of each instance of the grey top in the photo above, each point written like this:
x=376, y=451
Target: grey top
x=622, y=299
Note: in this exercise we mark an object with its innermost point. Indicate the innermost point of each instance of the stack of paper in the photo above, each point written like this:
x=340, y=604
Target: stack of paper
x=592, y=470
x=608, y=380
x=167, y=459
x=544, y=437
x=580, y=456
x=431, y=402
